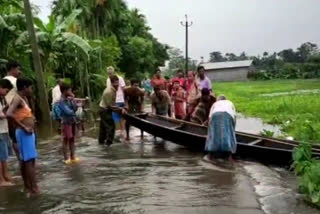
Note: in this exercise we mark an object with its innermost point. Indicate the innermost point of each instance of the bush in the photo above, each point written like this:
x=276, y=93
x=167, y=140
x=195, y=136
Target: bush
x=308, y=170
x=288, y=71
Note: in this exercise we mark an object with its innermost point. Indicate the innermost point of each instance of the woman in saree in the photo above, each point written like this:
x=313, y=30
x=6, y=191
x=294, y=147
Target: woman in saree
x=193, y=93
x=221, y=140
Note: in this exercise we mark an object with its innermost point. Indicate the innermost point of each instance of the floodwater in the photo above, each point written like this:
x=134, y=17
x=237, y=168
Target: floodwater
x=148, y=177
x=255, y=125
x=296, y=92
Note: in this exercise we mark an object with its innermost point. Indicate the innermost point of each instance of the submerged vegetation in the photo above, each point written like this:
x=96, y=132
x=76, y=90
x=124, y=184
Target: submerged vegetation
x=308, y=170
x=296, y=113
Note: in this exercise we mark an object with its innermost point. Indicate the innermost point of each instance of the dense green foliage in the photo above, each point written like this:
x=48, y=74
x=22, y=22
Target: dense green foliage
x=80, y=40
x=297, y=113
x=308, y=170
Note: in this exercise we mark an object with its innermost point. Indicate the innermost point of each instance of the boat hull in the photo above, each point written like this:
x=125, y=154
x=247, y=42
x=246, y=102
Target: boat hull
x=193, y=137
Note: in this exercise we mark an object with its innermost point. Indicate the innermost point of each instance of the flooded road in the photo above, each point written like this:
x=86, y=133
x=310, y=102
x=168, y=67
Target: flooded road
x=149, y=178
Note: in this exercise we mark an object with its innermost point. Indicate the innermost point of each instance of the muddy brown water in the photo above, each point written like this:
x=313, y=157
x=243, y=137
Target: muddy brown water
x=148, y=177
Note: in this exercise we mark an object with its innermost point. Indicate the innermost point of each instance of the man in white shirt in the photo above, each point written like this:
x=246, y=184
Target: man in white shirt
x=119, y=99
x=13, y=72
x=56, y=92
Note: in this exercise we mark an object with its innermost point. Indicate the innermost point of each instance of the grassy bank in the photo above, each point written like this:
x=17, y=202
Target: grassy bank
x=298, y=114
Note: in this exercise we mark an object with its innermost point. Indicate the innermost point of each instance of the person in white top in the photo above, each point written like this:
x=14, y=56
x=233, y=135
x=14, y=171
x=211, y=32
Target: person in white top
x=119, y=99
x=221, y=141
x=13, y=72
x=56, y=92
x=5, y=180
x=223, y=105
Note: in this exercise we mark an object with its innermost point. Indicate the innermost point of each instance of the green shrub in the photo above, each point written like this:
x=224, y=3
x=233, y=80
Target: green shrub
x=308, y=170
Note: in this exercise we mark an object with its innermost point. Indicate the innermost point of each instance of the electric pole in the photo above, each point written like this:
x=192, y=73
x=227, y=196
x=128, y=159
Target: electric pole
x=187, y=24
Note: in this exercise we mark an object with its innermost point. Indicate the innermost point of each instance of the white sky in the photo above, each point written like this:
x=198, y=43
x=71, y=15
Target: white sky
x=252, y=26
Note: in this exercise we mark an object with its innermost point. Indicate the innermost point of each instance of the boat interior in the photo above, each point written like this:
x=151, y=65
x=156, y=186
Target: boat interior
x=202, y=131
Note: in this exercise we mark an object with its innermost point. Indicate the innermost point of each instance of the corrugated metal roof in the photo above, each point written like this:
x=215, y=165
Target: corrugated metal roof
x=229, y=64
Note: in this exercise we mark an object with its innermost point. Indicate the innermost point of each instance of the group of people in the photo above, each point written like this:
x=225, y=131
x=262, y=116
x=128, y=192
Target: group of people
x=17, y=125
x=190, y=99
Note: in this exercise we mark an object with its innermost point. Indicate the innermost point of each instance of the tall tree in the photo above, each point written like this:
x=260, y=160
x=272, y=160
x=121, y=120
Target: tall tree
x=216, y=56
x=289, y=55
x=306, y=50
x=44, y=105
x=231, y=56
x=243, y=56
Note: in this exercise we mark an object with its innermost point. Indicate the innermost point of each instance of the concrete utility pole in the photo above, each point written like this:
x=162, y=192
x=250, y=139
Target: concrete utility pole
x=187, y=24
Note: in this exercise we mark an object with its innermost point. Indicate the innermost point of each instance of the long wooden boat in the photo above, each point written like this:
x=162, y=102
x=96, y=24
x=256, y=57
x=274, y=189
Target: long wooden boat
x=193, y=137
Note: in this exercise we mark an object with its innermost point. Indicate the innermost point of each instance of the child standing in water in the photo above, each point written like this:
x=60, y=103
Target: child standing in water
x=68, y=110
x=20, y=111
x=5, y=180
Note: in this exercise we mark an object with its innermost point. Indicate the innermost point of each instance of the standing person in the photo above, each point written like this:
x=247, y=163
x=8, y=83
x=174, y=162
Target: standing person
x=119, y=99
x=158, y=81
x=146, y=84
x=56, y=96
x=221, y=140
x=179, y=98
x=160, y=102
x=193, y=93
x=201, y=112
x=203, y=80
x=169, y=85
x=13, y=72
x=21, y=113
x=56, y=92
x=5, y=180
x=134, y=98
x=68, y=109
x=107, y=104
x=180, y=77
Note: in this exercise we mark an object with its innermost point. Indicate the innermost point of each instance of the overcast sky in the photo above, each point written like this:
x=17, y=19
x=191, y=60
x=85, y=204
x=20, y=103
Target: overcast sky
x=252, y=26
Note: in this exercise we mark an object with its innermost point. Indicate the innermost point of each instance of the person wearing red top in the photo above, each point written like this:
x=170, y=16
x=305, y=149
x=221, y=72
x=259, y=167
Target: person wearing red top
x=193, y=93
x=180, y=77
x=158, y=81
x=179, y=98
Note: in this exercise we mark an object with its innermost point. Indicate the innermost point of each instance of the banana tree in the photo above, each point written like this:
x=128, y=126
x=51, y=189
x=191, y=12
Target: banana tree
x=61, y=50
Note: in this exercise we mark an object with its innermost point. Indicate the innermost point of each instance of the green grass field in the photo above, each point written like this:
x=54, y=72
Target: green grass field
x=298, y=114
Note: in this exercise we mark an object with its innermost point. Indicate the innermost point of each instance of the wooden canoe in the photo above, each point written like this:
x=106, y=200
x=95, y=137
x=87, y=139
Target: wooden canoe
x=193, y=136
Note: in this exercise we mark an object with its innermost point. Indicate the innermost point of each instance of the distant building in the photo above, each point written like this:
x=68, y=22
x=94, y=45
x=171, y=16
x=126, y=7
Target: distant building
x=228, y=71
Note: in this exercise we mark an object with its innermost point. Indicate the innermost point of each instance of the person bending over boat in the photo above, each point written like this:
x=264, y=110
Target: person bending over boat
x=201, y=113
x=221, y=139
x=107, y=104
x=161, y=102
x=134, y=97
